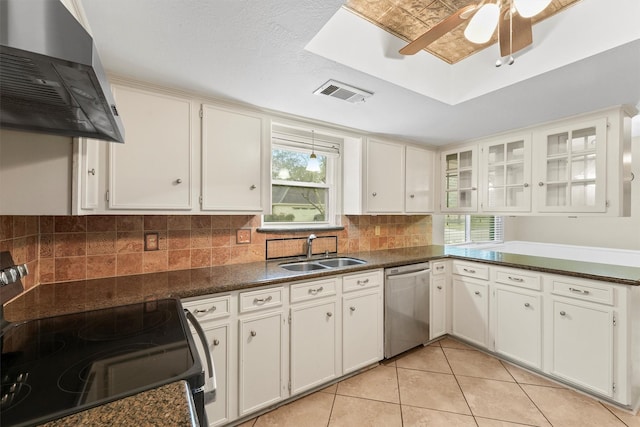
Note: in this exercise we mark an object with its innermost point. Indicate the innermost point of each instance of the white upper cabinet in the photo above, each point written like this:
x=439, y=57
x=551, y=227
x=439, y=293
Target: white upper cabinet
x=384, y=191
x=571, y=167
x=506, y=174
x=232, y=160
x=419, y=180
x=152, y=169
x=459, y=180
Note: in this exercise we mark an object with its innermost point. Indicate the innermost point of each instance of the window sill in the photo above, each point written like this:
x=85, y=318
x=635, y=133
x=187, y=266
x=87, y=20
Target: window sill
x=281, y=230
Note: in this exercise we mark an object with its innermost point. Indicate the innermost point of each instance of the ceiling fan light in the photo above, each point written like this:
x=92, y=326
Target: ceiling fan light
x=529, y=8
x=483, y=24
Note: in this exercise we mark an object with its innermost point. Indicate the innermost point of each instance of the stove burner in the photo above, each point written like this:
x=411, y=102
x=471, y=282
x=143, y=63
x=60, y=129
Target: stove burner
x=124, y=326
x=13, y=393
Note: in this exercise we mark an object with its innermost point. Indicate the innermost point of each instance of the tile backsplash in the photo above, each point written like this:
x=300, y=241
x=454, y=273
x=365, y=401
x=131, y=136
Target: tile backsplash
x=67, y=248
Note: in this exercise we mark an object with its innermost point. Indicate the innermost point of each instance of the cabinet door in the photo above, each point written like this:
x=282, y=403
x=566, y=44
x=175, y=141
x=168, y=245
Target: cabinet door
x=572, y=168
x=385, y=177
x=261, y=343
x=313, y=345
x=470, y=310
x=361, y=330
x=460, y=180
x=583, y=344
x=518, y=325
x=419, y=194
x=152, y=169
x=90, y=173
x=438, y=309
x=231, y=160
x=507, y=175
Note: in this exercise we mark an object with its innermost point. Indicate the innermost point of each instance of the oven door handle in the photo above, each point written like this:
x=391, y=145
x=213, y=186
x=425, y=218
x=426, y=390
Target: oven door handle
x=210, y=395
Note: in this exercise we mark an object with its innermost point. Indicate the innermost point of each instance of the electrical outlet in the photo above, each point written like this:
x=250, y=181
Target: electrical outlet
x=151, y=242
x=377, y=232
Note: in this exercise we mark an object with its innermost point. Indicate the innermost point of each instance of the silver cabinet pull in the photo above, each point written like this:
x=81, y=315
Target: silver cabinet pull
x=440, y=267
x=329, y=314
x=262, y=300
x=469, y=270
x=178, y=181
x=313, y=291
x=374, y=194
x=525, y=185
x=526, y=304
x=563, y=313
x=516, y=279
x=216, y=341
x=477, y=292
x=474, y=188
x=352, y=308
x=579, y=291
x=412, y=196
x=208, y=310
x=92, y=171
x=440, y=287
x=254, y=333
x=253, y=187
x=540, y=184
x=363, y=282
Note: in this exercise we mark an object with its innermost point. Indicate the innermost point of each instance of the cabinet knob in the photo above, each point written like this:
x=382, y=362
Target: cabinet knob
x=254, y=333
x=474, y=188
x=253, y=187
x=526, y=304
x=540, y=184
x=92, y=171
x=352, y=308
x=477, y=292
x=374, y=194
x=216, y=342
x=329, y=314
x=412, y=196
x=563, y=313
x=440, y=287
x=178, y=181
x=525, y=185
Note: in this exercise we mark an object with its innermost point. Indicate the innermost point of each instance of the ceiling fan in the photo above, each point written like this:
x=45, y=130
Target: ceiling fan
x=512, y=17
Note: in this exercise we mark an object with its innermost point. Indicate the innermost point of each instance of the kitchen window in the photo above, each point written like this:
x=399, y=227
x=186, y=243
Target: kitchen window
x=301, y=198
x=460, y=229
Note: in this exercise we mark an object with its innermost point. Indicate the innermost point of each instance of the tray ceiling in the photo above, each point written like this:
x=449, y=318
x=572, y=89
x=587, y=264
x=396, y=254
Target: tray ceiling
x=409, y=19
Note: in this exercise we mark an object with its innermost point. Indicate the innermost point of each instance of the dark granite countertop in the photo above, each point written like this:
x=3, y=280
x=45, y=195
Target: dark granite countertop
x=166, y=406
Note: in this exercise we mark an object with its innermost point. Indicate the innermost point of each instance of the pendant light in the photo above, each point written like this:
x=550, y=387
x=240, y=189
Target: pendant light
x=313, y=165
x=529, y=8
x=483, y=24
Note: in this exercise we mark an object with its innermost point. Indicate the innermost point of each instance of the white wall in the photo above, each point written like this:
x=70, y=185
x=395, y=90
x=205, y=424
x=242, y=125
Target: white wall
x=622, y=233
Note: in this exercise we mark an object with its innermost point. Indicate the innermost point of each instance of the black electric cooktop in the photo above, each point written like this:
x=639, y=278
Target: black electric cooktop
x=56, y=366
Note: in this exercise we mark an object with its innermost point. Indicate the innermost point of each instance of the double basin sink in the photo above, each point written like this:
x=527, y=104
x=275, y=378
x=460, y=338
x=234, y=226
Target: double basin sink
x=321, y=264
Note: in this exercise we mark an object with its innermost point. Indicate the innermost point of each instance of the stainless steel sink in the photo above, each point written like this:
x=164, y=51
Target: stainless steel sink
x=341, y=262
x=321, y=264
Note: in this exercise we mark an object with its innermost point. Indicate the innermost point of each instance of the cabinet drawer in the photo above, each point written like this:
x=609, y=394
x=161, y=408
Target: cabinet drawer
x=366, y=280
x=522, y=279
x=209, y=308
x=313, y=290
x=439, y=267
x=584, y=290
x=468, y=269
x=257, y=300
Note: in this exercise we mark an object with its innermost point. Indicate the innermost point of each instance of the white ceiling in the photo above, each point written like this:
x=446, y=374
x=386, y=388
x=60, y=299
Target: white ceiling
x=255, y=52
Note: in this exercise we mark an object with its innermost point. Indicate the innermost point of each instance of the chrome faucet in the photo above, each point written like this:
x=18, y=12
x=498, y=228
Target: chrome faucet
x=310, y=245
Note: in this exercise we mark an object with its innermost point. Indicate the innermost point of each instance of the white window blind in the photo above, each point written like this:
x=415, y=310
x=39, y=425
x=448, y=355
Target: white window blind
x=472, y=228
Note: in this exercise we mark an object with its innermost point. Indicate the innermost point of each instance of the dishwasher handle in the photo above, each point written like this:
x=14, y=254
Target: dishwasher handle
x=408, y=274
x=209, y=396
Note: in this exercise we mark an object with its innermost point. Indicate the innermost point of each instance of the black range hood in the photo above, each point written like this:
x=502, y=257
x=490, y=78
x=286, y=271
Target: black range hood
x=51, y=79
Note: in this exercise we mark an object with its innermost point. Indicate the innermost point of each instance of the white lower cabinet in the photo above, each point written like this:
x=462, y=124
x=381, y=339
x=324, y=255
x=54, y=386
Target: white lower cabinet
x=471, y=309
x=439, y=300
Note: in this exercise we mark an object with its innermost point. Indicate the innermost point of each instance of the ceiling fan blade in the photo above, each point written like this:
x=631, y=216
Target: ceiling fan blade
x=438, y=30
x=522, y=35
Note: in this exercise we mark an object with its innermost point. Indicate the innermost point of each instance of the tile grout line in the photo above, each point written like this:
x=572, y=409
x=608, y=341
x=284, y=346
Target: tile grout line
x=613, y=413
x=458, y=382
x=333, y=404
x=525, y=392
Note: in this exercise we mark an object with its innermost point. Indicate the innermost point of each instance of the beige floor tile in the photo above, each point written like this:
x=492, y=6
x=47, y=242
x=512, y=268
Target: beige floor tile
x=380, y=383
x=425, y=359
x=476, y=364
x=331, y=389
x=486, y=422
x=431, y=390
x=500, y=400
x=449, y=342
x=312, y=410
x=523, y=376
x=629, y=419
x=390, y=362
x=249, y=423
x=565, y=408
x=419, y=417
x=352, y=411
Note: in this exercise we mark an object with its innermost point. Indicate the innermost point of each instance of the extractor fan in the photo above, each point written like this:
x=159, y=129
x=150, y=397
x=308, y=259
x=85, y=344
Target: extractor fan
x=512, y=17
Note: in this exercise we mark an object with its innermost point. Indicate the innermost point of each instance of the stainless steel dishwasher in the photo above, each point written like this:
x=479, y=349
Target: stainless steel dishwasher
x=406, y=307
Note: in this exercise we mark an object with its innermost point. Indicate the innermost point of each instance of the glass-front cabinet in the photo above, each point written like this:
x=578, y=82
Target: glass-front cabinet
x=571, y=168
x=507, y=174
x=460, y=183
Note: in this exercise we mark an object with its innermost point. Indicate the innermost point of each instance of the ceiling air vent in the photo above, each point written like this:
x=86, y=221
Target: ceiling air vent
x=342, y=91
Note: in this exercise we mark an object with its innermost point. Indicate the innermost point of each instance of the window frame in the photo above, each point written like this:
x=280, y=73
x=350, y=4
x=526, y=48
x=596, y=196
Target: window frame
x=498, y=230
